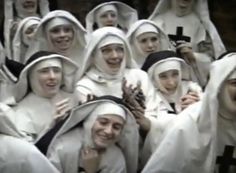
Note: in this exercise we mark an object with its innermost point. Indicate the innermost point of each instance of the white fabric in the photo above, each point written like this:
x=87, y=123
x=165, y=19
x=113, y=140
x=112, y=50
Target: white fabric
x=69, y=71
x=11, y=19
x=199, y=134
x=135, y=29
x=126, y=15
x=34, y=113
x=19, y=49
x=96, y=38
x=76, y=52
x=205, y=40
x=16, y=154
x=95, y=82
x=200, y=15
x=67, y=158
x=21, y=157
x=102, y=10
x=145, y=28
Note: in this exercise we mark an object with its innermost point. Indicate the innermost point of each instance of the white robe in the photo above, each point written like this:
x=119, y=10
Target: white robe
x=198, y=135
x=34, y=114
x=92, y=83
x=17, y=155
x=64, y=157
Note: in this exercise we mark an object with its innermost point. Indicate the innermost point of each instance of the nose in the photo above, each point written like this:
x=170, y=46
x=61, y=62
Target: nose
x=171, y=82
x=150, y=44
x=52, y=74
x=114, y=54
x=62, y=33
x=108, y=130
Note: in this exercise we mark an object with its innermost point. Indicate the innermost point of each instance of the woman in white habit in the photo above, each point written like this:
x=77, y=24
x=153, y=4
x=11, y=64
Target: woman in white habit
x=44, y=91
x=146, y=37
x=17, y=10
x=111, y=13
x=99, y=136
x=205, y=44
x=202, y=138
x=23, y=38
x=59, y=31
x=108, y=61
x=171, y=78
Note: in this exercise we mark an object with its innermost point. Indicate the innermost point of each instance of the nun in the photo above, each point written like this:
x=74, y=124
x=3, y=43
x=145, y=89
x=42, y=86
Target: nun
x=171, y=78
x=191, y=31
x=23, y=38
x=43, y=92
x=99, y=136
x=59, y=31
x=111, y=13
x=202, y=139
x=107, y=61
x=17, y=10
x=145, y=37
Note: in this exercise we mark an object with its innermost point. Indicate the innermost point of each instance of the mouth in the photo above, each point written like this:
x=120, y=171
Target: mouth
x=51, y=85
x=29, y=5
x=115, y=63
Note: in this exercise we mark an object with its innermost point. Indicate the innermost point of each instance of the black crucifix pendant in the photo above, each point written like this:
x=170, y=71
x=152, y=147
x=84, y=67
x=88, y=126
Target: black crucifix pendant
x=226, y=160
x=179, y=36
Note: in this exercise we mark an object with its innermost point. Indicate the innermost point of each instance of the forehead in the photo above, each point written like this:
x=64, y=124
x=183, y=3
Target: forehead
x=112, y=46
x=112, y=117
x=47, y=63
x=147, y=35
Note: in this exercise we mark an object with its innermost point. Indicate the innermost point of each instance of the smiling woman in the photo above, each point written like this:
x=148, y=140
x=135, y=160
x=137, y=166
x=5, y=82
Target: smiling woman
x=104, y=137
x=44, y=90
x=61, y=32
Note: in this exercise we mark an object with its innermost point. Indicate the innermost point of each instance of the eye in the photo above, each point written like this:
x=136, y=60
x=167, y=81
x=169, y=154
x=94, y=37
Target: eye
x=117, y=127
x=120, y=49
x=113, y=15
x=106, y=50
x=104, y=15
x=57, y=69
x=162, y=76
x=43, y=70
x=55, y=30
x=68, y=29
x=144, y=40
x=103, y=121
x=154, y=39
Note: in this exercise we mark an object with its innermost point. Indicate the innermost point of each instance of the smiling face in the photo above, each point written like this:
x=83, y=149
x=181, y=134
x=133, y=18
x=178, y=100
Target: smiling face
x=26, y=6
x=46, y=77
x=106, y=130
x=61, y=37
x=169, y=80
x=182, y=7
x=148, y=42
x=113, y=55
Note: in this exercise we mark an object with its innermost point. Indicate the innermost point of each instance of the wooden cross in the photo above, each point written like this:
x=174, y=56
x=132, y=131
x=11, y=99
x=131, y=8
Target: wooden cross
x=226, y=160
x=179, y=36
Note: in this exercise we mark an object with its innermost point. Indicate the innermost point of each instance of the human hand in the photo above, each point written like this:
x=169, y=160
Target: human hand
x=90, y=160
x=186, y=52
x=62, y=108
x=188, y=99
x=133, y=97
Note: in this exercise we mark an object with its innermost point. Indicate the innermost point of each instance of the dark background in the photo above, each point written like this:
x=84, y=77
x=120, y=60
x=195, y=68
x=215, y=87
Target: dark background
x=223, y=13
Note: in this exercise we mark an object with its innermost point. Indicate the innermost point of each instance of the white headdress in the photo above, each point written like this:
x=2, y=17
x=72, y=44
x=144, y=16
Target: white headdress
x=126, y=15
x=144, y=26
x=202, y=11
